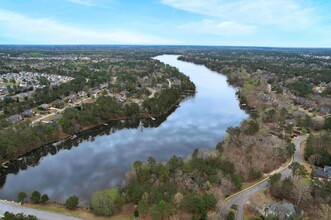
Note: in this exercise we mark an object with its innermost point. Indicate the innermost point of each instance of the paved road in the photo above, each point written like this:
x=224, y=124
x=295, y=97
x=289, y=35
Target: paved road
x=297, y=142
x=42, y=215
x=241, y=198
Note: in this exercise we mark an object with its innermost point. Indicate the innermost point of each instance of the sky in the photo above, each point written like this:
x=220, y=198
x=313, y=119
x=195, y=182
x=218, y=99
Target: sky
x=275, y=23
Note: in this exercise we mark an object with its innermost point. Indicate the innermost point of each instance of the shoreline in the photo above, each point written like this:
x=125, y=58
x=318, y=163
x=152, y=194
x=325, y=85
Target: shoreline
x=63, y=137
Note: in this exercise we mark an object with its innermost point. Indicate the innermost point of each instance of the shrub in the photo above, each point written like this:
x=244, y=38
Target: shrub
x=231, y=216
x=22, y=196
x=72, y=202
x=19, y=216
x=35, y=197
x=106, y=202
x=254, y=174
x=44, y=198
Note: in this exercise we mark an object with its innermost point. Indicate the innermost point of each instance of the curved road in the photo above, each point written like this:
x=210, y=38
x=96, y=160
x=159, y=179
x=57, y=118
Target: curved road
x=6, y=206
x=241, y=197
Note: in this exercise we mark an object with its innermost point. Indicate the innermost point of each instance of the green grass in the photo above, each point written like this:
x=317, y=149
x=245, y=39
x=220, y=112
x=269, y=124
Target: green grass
x=55, y=210
x=9, y=83
x=307, y=180
x=248, y=86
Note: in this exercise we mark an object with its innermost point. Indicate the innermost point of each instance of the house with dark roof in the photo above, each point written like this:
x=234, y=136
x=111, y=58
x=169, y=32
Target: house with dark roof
x=324, y=173
x=44, y=107
x=175, y=81
x=15, y=118
x=282, y=209
x=28, y=113
x=58, y=103
x=326, y=109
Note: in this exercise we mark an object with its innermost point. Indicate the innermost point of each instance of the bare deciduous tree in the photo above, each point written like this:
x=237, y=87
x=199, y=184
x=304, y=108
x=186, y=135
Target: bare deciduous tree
x=301, y=191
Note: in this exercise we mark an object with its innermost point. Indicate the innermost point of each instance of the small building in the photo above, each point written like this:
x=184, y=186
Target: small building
x=44, y=107
x=28, y=113
x=15, y=118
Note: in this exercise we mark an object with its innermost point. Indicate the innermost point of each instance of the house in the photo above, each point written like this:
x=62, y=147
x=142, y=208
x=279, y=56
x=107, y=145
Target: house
x=326, y=109
x=28, y=113
x=176, y=81
x=44, y=107
x=103, y=85
x=281, y=209
x=15, y=118
x=324, y=173
x=327, y=168
x=267, y=98
x=318, y=89
x=124, y=92
x=72, y=98
x=81, y=94
x=58, y=103
x=304, y=102
x=95, y=91
x=121, y=100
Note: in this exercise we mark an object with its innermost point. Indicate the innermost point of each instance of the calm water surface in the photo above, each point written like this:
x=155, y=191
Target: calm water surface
x=199, y=122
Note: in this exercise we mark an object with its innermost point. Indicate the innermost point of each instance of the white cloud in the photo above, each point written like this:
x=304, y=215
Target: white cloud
x=47, y=31
x=286, y=14
x=83, y=2
x=227, y=28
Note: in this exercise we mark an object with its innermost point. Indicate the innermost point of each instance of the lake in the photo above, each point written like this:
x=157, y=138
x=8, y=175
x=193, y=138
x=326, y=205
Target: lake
x=100, y=160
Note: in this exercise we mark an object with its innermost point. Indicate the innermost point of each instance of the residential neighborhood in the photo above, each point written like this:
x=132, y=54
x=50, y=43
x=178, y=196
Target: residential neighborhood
x=24, y=82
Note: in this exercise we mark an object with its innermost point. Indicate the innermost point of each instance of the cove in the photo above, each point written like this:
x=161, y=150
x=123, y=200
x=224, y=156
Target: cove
x=99, y=158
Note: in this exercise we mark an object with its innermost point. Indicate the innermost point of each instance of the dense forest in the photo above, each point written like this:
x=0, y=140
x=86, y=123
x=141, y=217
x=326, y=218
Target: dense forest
x=318, y=149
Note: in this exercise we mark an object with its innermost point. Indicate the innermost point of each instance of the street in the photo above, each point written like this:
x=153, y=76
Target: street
x=241, y=198
x=6, y=206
